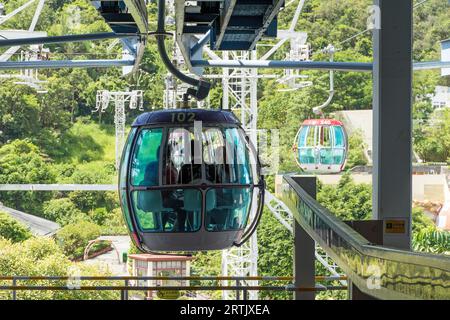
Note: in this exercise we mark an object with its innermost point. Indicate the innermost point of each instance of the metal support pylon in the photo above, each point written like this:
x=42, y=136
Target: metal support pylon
x=240, y=95
x=120, y=99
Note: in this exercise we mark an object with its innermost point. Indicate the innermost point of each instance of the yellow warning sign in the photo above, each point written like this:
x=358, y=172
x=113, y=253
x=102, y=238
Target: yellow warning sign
x=168, y=294
x=395, y=226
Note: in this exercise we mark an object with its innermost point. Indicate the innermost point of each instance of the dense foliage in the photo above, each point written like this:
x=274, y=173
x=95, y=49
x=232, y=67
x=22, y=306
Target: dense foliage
x=43, y=257
x=55, y=137
x=11, y=229
x=74, y=238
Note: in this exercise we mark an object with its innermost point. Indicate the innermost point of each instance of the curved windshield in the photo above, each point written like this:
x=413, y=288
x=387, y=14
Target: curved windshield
x=227, y=208
x=168, y=210
x=167, y=162
x=332, y=150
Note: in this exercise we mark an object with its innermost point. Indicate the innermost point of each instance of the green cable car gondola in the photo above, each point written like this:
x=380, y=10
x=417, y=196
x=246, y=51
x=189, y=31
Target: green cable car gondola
x=190, y=180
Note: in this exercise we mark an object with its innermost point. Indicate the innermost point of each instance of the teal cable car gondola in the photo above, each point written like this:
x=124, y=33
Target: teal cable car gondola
x=190, y=180
x=321, y=146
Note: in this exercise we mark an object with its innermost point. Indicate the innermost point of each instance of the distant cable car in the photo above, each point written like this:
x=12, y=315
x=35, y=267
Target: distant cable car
x=321, y=146
x=189, y=180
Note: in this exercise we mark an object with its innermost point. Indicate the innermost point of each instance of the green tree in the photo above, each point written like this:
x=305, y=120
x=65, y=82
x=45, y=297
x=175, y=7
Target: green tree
x=348, y=200
x=19, y=114
x=275, y=253
x=432, y=241
x=63, y=211
x=21, y=162
x=94, y=173
x=435, y=144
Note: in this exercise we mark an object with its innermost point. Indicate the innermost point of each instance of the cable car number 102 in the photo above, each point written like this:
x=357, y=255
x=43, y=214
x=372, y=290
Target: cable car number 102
x=183, y=117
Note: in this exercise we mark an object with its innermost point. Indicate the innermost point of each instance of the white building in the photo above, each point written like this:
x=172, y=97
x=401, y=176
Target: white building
x=441, y=97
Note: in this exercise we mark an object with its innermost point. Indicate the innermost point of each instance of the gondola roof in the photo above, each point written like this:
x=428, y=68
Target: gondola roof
x=322, y=122
x=166, y=117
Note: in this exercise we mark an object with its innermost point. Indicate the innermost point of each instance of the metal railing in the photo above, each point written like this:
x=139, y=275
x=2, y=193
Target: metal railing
x=381, y=272
x=125, y=284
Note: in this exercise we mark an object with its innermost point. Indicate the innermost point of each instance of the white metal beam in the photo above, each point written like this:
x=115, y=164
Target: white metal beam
x=58, y=187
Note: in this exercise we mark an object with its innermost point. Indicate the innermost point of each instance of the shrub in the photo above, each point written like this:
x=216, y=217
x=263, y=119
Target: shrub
x=12, y=230
x=432, y=240
x=114, y=223
x=356, y=156
x=43, y=257
x=74, y=237
x=419, y=220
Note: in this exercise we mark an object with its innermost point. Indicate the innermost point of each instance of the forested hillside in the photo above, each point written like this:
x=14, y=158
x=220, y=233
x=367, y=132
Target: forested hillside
x=54, y=137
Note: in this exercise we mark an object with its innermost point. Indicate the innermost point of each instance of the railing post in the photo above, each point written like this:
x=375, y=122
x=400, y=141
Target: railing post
x=304, y=249
x=237, y=290
x=14, y=293
x=126, y=291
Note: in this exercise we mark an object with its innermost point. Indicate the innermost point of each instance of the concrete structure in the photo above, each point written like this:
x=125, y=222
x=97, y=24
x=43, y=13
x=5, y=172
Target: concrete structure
x=359, y=121
x=392, y=113
x=441, y=97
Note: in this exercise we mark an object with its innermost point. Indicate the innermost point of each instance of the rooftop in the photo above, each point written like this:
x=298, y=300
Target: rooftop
x=159, y=257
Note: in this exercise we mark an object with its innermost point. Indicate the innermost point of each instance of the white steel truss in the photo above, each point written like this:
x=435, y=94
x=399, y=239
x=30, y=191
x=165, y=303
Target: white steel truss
x=27, y=77
x=134, y=99
x=240, y=95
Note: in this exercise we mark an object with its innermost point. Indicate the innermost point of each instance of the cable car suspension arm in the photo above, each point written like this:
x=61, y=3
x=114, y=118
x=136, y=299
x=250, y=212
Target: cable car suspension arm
x=202, y=86
x=318, y=110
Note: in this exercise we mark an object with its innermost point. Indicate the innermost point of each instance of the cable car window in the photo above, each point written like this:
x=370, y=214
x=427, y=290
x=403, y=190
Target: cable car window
x=339, y=140
x=311, y=137
x=338, y=156
x=145, y=159
x=326, y=137
x=306, y=145
x=180, y=166
x=326, y=156
x=227, y=208
x=168, y=210
x=214, y=152
x=124, y=159
x=302, y=136
x=237, y=157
